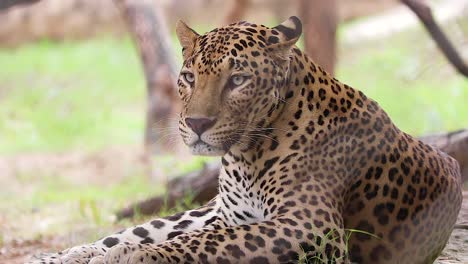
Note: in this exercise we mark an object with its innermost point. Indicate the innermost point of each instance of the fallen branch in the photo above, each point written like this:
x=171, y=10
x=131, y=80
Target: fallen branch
x=203, y=184
x=465, y=227
x=424, y=13
x=455, y=144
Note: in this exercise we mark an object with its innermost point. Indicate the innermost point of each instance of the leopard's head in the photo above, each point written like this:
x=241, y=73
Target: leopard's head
x=233, y=82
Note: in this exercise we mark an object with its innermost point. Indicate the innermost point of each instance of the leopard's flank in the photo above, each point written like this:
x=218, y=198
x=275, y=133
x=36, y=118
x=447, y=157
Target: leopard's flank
x=304, y=159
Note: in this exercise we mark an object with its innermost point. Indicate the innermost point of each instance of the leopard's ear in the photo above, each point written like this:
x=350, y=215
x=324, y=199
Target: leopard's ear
x=284, y=36
x=187, y=38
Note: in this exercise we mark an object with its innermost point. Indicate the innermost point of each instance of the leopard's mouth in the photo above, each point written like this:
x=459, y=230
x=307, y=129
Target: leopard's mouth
x=202, y=148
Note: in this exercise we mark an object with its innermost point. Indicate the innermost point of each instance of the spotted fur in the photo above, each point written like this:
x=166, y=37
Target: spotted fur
x=304, y=158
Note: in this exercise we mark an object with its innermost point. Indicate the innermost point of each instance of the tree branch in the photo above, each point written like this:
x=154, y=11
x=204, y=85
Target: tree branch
x=5, y=4
x=424, y=13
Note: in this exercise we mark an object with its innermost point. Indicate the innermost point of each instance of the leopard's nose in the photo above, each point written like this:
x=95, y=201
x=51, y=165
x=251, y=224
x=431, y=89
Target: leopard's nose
x=200, y=125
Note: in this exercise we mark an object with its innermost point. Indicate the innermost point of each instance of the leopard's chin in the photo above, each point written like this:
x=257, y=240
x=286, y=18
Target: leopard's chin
x=201, y=148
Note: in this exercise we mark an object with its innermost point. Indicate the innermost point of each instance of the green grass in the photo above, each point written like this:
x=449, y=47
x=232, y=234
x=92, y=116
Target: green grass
x=318, y=256
x=60, y=205
x=49, y=189
x=135, y=187
x=59, y=96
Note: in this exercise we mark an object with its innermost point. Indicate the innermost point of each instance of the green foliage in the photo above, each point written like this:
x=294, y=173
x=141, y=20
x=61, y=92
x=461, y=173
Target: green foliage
x=90, y=209
x=332, y=235
x=58, y=96
x=318, y=257
x=55, y=189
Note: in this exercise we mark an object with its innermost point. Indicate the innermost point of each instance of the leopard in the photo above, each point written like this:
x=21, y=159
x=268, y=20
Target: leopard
x=312, y=170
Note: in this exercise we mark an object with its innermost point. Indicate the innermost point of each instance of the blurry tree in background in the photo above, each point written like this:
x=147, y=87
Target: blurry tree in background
x=320, y=19
x=57, y=20
x=237, y=11
x=424, y=13
x=147, y=24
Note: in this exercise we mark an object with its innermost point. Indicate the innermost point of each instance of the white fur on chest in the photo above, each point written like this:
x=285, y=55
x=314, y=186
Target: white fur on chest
x=240, y=201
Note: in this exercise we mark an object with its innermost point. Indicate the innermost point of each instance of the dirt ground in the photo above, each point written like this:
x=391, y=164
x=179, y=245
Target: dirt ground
x=21, y=229
x=84, y=167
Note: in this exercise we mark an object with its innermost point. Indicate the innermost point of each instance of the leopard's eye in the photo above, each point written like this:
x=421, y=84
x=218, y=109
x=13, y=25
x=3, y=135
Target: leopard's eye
x=237, y=80
x=189, y=77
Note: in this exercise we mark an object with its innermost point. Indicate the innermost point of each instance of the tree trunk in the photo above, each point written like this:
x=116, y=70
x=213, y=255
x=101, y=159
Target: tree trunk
x=146, y=22
x=320, y=19
x=237, y=11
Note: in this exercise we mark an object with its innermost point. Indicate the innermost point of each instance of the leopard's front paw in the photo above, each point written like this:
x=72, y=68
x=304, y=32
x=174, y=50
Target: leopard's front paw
x=82, y=254
x=45, y=258
x=50, y=258
x=75, y=255
x=129, y=253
